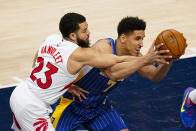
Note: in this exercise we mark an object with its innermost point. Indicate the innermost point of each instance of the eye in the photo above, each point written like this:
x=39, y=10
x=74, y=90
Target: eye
x=138, y=38
x=84, y=31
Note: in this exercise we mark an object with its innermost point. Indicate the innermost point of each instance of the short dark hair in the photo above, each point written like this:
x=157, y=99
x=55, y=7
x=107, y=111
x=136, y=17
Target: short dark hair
x=69, y=23
x=129, y=24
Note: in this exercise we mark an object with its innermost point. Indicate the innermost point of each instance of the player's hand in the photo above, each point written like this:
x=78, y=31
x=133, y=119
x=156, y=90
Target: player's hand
x=156, y=55
x=77, y=92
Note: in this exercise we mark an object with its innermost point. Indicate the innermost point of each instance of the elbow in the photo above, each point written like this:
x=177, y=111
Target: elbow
x=155, y=79
x=112, y=76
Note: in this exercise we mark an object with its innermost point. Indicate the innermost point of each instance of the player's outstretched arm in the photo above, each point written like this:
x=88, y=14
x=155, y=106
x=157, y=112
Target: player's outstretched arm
x=156, y=73
x=149, y=71
x=132, y=64
x=87, y=56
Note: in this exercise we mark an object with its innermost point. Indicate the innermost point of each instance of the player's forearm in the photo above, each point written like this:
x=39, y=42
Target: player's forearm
x=95, y=59
x=160, y=72
x=124, y=69
x=106, y=60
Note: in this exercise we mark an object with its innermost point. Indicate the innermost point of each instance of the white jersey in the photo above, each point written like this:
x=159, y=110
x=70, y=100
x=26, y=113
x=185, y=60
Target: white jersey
x=49, y=79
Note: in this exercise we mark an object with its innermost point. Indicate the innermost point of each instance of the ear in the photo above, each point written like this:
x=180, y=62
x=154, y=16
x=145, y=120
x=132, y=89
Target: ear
x=123, y=38
x=73, y=37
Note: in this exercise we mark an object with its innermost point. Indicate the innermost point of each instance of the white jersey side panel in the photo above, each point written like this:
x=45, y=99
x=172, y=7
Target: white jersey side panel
x=49, y=78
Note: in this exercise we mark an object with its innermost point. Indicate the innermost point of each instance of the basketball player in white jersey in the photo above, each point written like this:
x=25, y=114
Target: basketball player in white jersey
x=58, y=62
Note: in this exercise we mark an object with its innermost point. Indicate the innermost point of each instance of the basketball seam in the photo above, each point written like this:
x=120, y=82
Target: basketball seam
x=167, y=46
x=177, y=42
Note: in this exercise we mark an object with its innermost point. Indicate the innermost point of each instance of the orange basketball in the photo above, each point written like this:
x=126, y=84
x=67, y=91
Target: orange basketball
x=173, y=41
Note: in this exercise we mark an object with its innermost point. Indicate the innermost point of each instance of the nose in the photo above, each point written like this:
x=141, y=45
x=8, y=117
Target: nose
x=141, y=43
x=88, y=32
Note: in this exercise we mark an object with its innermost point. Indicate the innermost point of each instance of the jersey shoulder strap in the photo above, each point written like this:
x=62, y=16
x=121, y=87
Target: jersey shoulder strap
x=113, y=44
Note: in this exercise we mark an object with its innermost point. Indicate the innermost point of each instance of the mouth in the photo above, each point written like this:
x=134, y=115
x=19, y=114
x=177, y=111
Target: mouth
x=137, y=50
x=87, y=38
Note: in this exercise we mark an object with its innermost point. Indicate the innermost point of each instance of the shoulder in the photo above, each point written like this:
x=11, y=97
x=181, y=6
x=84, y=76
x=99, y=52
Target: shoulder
x=103, y=46
x=67, y=44
x=53, y=38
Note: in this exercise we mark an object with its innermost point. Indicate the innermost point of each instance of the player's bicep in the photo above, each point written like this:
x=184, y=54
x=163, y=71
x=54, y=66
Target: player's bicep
x=83, y=55
x=79, y=58
x=88, y=56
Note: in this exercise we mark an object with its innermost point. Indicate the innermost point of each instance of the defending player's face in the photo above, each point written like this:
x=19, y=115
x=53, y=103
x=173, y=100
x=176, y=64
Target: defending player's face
x=83, y=35
x=134, y=42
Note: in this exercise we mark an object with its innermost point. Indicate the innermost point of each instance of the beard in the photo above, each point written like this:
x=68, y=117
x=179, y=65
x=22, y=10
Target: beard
x=83, y=43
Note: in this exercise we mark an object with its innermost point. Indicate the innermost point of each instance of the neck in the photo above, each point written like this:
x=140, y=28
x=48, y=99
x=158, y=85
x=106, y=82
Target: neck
x=120, y=48
x=68, y=39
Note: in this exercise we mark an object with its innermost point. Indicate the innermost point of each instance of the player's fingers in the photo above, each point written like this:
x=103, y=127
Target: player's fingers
x=162, y=61
x=159, y=46
x=163, y=56
x=175, y=59
x=161, y=52
x=83, y=96
x=80, y=99
x=82, y=90
x=166, y=57
x=73, y=97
